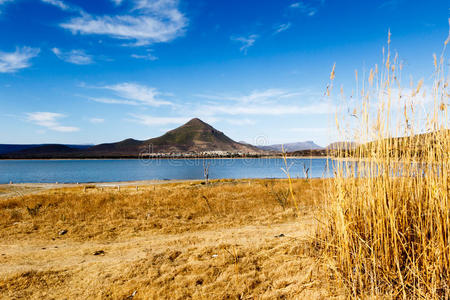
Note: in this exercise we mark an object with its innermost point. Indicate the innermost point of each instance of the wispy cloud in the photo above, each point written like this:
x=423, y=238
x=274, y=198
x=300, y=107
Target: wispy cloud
x=78, y=57
x=309, y=8
x=96, y=120
x=155, y=121
x=267, y=102
x=58, y=3
x=146, y=22
x=246, y=42
x=50, y=121
x=146, y=56
x=255, y=96
x=3, y=2
x=117, y=2
x=20, y=59
x=149, y=120
x=113, y=100
x=132, y=94
x=270, y=110
x=282, y=27
x=241, y=122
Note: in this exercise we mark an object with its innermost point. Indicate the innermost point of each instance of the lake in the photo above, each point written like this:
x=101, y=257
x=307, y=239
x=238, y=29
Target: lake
x=72, y=171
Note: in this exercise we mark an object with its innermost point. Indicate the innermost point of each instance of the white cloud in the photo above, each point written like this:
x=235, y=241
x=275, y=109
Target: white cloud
x=274, y=110
x=13, y=61
x=50, y=121
x=154, y=121
x=255, y=96
x=145, y=95
x=282, y=27
x=96, y=120
x=267, y=102
x=147, y=56
x=240, y=122
x=113, y=101
x=308, y=8
x=246, y=42
x=58, y=3
x=117, y=2
x=133, y=94
x=162, y=121
x=78, y=57
x=147, y=22
x=3, y=2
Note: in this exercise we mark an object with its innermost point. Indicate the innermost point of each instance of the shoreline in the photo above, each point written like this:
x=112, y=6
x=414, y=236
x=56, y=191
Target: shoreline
x=168, y=158
x=149, y=182
x=99, y=183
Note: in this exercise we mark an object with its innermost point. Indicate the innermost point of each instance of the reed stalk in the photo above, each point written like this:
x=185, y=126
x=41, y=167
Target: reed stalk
x=387, y=226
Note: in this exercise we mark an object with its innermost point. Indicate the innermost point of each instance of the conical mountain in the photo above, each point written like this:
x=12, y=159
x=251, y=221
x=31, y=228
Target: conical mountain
x=197, y=136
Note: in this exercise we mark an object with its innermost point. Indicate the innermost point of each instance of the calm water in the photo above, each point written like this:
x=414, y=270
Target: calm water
x=71, y=171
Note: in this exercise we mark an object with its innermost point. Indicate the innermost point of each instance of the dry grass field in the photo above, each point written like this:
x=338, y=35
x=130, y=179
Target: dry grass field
x=229, y=239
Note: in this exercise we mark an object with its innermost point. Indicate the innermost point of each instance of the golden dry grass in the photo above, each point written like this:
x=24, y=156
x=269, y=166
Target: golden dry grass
x=173, y=241
x=387, y=225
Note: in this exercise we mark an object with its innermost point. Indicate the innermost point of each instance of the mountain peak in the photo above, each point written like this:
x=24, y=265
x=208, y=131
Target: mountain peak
x=196, y=122
x=197, y=136
x=197, y=125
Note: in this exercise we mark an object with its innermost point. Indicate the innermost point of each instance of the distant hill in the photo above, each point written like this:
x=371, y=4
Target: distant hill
x=418, y=143
x=48, y=149
x=342, y=146
x=194, y=136
x=315, y=152
x=128, y=147
x=9, y=148
x=292, y=147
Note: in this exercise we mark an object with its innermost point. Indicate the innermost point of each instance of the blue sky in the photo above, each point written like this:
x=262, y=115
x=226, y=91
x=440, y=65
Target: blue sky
x=78, y=71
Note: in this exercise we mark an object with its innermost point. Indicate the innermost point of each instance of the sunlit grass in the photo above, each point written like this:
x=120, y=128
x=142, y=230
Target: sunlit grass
x=230, y=239
x=387, y=224
x=167, y=208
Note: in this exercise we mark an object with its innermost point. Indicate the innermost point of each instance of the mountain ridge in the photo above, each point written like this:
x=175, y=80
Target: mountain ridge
x=194, y=136
x=9, y=148
x=292, y=147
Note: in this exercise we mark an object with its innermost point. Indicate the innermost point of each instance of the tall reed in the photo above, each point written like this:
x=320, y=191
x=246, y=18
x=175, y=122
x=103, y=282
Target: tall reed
x=388, y=212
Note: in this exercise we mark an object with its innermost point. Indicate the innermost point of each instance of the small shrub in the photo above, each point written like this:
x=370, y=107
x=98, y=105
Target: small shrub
x=35, y=210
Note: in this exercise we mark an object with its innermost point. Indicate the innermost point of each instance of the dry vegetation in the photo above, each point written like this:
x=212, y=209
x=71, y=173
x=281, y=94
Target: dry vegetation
x=387, y=227
x=174, y=241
